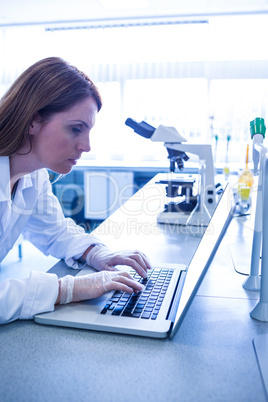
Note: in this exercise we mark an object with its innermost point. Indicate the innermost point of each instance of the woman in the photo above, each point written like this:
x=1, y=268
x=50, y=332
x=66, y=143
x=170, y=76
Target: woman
x=45, y=120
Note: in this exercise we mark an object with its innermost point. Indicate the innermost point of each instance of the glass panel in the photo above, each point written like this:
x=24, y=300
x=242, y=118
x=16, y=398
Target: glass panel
x=234, y=103
x=204, y=78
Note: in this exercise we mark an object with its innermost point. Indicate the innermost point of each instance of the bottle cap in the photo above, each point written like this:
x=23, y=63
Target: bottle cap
x=257, y=126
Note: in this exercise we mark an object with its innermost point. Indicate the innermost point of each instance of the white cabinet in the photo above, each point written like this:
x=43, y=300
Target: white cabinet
x=105, y=192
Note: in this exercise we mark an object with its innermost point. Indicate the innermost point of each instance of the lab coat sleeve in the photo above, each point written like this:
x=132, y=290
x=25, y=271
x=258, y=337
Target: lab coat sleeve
x=53, y=234
x=23, y=298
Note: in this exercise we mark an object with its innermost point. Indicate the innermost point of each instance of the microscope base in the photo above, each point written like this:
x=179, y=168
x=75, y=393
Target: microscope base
x=174, y=218
x=181, y=218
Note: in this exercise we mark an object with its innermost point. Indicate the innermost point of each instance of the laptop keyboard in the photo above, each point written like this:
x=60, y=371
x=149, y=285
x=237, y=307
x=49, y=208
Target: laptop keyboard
x=145, y=304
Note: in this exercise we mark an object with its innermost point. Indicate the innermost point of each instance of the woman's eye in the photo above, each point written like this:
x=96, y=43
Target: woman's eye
x=76, y=130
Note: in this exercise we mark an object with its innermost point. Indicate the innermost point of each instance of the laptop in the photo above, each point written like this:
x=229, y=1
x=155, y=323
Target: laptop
x=159, y=310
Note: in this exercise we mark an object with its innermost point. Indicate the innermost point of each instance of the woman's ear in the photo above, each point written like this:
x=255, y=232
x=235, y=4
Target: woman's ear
x=35, y=125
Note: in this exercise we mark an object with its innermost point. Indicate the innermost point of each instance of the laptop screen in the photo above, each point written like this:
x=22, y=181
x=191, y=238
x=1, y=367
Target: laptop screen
x=204, y=254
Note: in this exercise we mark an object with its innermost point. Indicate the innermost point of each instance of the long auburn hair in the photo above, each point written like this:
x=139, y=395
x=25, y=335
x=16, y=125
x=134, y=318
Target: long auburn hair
x=49, y=86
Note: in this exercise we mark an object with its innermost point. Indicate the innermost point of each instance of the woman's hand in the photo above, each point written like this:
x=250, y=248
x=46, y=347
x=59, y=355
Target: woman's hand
x=101, y=258
x=73, y=289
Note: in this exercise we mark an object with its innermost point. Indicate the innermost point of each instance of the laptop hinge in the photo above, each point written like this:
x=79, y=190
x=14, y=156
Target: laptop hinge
x=176, y=297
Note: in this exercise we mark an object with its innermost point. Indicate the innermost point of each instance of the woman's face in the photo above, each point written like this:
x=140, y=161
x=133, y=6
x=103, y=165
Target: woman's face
x=59, y=143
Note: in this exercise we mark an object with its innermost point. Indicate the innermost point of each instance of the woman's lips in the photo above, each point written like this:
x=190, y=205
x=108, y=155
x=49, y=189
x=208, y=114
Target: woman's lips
x=73, y=161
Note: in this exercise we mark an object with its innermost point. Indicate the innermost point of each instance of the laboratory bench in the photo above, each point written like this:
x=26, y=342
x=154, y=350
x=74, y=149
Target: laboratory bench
x=211, y=358
x=94, y=189
x=88, y=193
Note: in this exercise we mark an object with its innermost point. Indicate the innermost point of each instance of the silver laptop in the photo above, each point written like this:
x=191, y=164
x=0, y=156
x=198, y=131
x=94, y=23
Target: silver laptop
x=159, y=310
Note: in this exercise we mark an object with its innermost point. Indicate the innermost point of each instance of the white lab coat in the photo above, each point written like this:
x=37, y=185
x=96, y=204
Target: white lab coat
x=36, y=213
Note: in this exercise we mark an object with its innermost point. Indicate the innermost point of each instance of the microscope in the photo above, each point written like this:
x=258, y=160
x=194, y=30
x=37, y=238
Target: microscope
x=195, y=210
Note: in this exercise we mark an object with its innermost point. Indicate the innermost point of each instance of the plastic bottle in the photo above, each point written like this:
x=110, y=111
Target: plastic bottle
x=245, y=181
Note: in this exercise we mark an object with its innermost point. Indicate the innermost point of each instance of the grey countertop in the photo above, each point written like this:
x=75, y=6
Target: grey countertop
x=210, y=359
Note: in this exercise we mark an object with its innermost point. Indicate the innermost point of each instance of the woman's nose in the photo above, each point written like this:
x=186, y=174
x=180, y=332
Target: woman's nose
x=84, y=144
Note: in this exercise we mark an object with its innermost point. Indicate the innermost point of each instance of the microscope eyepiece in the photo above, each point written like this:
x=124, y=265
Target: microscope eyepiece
x=144, y=129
